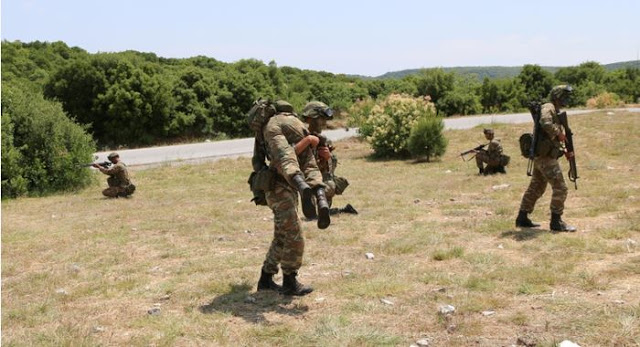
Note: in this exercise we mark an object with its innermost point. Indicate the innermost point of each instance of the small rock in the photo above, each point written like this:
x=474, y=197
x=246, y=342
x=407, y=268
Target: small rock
x=423, y=342
x=619, y=302
x=600, y=293
x=441, y=290
x=248, y=231
x=501, y=186
x=249, y=299
x=155, y=269
x=239, y=201
x=157, y=304
x=446, y=309
x=61, y=291
x=75, y=268
x=320, y=300
x=610, y=113
x=369, y=255
x=610, y=168
x=386, y=302
x=53, y=216
x=452, y=199
x=165, y=297
x=451, y=328
x=500, y=246
x=154, y=311
x=526, y=341
x=346, y=273
x=221, y=238
x=488, y=313
x=134, y=229
x=448, y=171
x=265, y=219
x=98, y=329
x=416, y=201
x=567, y=343
x=488, y=213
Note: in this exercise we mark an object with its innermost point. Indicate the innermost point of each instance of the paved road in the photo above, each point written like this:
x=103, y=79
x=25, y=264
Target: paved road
x=209, y=151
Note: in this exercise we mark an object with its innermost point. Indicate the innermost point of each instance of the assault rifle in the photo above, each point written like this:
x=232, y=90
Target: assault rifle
x=573, y=169
x=104, y=164
x=535, y=109
x=473, y=150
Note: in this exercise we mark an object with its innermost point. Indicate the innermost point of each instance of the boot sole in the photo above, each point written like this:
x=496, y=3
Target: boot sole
x=324, y=219
x=308, y=209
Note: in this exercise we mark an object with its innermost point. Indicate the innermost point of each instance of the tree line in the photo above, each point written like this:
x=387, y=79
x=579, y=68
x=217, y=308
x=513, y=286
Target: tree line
x=134, y=99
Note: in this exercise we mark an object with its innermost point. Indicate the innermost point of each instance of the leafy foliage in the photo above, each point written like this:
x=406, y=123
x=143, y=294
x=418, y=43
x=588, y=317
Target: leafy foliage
x=390, y=123
x=427, y=138
x=41, y=147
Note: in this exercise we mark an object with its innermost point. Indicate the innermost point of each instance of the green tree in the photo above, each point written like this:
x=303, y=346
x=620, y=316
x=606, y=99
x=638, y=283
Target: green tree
x=536, y=82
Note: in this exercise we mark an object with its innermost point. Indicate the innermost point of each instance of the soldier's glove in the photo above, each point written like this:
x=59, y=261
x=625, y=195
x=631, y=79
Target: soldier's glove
x=562, y=137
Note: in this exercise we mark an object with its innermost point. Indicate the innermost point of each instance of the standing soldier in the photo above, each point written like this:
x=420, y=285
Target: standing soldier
x=492, y=156
x=119, y=183
x=316, y=114
x=285, y=142
x=546, y=169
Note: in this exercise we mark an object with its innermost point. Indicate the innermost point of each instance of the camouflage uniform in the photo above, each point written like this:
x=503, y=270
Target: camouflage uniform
x=546, y=167
x=280, y=135
x=492, y=156
x=118, y=181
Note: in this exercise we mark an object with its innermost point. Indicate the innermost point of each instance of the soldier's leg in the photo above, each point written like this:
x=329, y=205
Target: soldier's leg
x=111, y=192
x=553, y=174
x=112, y=182
x=287, y=246
x=536, y=189
x=480, y=160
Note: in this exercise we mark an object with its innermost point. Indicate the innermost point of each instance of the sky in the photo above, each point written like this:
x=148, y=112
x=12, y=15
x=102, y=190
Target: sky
x=353, y=37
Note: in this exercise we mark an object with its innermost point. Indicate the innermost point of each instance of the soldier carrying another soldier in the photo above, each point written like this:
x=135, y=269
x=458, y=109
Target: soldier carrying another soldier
x=283, y=139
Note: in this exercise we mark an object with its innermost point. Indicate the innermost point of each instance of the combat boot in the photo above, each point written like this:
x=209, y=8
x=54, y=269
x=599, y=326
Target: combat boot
x=480, y=171
x=349, y=209
x=324, y=215
x=291, y=286
x=266, y=282
x=557, y=224
x=523, y=221
x=308, y=209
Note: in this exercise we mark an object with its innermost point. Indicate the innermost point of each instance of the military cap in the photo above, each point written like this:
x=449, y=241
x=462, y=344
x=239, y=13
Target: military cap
x=112, y=155
x=283, y=106
x=315, y=109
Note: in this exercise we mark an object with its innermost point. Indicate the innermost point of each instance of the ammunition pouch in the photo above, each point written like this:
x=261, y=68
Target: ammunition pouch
x=128, y=190
x=504, y=160
x=264, y=179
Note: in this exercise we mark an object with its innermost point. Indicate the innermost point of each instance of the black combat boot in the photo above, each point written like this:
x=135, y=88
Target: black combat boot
x=324, y=215
x=523, y=221
x=557, y=224
x=480, y=171
x=266, y=282
x=308, y=209
x=501, y=170
x=291, y=286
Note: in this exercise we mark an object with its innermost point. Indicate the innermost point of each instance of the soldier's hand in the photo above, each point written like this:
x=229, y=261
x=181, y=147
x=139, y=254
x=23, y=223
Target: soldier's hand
x=324, y=153
x=95, y=165
x=569, y=155
x=562, y=137
x=313, y=140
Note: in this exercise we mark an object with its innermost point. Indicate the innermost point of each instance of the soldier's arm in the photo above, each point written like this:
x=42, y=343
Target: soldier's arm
x=284, y=155
x=112, y=170
x=546, y=121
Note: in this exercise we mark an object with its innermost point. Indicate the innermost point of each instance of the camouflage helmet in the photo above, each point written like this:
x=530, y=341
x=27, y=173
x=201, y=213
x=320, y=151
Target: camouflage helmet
x=315, y=109
x=561, y=92
x=113, y=155
x=283, y=106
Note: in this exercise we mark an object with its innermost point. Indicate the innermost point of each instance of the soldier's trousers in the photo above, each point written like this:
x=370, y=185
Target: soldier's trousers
x=287, y=246
x=483, y=157
x=113, y=192
x=545, y=170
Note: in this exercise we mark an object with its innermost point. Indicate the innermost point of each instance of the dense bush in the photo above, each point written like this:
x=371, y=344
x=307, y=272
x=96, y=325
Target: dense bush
x=605, y=100
x=41, y=147
x=388, y=126
x=427, y=138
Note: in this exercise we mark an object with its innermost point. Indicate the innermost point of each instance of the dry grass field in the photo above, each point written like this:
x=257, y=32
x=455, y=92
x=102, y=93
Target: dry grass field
x=178, y=263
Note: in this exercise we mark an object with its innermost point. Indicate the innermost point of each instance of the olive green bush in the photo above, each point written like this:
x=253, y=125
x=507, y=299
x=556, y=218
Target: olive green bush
x=427, y=138
x=42, y=148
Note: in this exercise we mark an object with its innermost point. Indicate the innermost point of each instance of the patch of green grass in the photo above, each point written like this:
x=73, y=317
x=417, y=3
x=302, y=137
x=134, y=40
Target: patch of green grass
x=451, y=253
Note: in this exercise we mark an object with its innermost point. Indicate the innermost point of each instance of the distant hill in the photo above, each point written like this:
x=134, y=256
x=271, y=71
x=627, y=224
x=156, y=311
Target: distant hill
x=496, y=71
